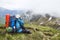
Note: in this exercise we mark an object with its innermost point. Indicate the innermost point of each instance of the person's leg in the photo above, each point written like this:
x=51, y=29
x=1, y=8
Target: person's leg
x=22, y=27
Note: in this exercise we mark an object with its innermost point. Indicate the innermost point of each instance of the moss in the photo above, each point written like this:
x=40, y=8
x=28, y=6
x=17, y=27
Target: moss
x=45, y=32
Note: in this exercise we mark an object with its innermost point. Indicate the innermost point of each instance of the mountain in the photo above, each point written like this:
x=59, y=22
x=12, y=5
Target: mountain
x=4, y=11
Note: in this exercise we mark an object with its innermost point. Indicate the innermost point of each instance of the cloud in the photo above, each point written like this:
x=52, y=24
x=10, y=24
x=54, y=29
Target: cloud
x=43, y=6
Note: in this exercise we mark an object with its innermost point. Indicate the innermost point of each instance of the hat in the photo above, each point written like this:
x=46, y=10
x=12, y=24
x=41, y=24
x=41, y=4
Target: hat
x=17, y=16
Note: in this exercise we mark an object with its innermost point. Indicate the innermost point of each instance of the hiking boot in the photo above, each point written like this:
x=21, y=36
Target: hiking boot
x=26, y=31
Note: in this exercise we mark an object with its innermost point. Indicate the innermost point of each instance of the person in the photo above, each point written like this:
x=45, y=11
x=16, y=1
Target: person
x=19, y=24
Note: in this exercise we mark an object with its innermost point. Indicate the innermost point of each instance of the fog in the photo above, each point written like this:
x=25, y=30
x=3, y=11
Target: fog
x=38, y=6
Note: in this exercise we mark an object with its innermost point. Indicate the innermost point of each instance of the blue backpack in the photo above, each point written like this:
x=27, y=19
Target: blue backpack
x=12, y=21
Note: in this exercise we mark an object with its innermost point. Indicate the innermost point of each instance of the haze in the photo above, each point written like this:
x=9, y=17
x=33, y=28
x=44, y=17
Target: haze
x=39, y=6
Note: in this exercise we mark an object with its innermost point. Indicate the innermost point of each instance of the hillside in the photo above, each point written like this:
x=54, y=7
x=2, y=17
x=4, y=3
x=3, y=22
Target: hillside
x=37, y=33
x=45, y=27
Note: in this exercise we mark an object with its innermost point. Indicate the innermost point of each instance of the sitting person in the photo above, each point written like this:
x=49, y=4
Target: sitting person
x=17, y=24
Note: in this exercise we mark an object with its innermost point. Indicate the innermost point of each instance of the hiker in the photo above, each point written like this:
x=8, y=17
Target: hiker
x=17, y=24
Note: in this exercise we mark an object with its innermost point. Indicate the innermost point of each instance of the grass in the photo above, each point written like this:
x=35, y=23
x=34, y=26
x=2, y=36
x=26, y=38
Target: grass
x=37, y=33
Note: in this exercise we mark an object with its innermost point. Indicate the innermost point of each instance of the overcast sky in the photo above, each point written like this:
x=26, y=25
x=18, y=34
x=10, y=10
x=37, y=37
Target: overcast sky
x=43, y=6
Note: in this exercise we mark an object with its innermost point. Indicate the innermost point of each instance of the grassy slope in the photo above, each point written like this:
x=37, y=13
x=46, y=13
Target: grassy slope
x=38, y=33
